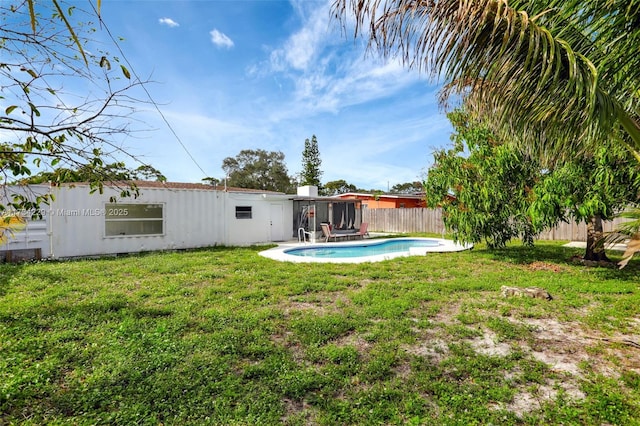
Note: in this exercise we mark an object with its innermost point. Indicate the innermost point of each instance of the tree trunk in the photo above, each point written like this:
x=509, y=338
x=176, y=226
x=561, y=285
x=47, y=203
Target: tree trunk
x=595, y=249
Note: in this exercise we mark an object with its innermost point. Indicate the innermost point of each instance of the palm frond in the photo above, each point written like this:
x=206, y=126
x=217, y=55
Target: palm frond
x=559, y=73
x=626, y=233
x=633, y=247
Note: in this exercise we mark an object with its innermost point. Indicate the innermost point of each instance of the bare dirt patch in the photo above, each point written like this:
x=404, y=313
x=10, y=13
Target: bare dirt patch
x=570, y=352
x=319, y=305
x=564, y=347
x=447, y=313
x=298, y=411
x=304, y=306
x=352, y=339
x=530, y=400
x=559, y=345
x=433, y=348
x=287, y=341
x=488, y=344
x=545, y=266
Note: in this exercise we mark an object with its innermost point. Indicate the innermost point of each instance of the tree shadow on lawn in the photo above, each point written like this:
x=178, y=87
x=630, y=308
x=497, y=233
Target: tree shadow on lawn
x=560, y=255
x=209, y=249
x=7, y=272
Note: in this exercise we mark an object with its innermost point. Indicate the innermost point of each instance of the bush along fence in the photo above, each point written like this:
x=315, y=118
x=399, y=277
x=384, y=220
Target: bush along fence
x=430, y=221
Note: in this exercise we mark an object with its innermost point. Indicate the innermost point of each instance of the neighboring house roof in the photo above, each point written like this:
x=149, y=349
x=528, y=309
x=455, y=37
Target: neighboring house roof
x=417, y=196
x=395, y=196
x=178, y=185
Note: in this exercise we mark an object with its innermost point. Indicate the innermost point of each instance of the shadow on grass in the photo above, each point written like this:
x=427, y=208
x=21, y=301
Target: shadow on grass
x=117, y=256
x=524, y=255
x=7, y=272
x=554, y=253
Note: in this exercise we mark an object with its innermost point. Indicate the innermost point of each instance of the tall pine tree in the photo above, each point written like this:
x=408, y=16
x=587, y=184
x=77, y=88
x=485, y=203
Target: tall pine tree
x=311, y=173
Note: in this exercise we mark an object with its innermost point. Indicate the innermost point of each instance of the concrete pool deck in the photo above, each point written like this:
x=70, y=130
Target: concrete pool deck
x=279, y=253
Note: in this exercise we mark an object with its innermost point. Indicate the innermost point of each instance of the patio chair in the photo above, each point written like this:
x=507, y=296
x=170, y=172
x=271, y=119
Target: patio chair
x=362, y=232
x=328, y=233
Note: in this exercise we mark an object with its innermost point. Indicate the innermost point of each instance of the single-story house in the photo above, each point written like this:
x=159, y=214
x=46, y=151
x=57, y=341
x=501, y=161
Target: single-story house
x=168, y=216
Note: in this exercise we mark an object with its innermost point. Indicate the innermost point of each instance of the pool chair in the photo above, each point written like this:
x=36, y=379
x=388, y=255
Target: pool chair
x=328, y=233
x=362, y=232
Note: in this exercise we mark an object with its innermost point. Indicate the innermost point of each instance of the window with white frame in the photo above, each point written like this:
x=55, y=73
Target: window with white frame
x=133, y=219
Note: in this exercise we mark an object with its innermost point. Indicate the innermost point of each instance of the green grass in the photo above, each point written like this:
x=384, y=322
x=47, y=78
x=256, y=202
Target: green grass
x=224, y=336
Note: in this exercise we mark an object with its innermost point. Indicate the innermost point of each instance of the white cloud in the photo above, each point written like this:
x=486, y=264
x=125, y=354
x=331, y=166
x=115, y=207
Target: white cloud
x=326, y=74
x=332, y=87
x=303, y=47
x=220, y=39
x=168, y=22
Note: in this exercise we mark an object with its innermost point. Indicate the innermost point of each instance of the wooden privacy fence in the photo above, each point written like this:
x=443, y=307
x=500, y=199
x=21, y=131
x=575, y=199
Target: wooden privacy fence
x=430, y=220
x=404, y=220
x=576, y=231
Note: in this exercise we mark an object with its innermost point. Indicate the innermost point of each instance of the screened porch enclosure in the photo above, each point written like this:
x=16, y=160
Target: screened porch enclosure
x=310, y=213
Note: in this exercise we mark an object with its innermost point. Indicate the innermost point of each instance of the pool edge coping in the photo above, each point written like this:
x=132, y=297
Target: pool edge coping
x=278, y=253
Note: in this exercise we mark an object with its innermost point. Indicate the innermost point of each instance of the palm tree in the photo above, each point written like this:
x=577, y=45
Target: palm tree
x=561, y=74
x=558, y=77
x=627, y=232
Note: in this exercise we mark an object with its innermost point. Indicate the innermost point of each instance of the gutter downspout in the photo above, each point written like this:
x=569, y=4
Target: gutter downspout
x=225, y=217
x=50, y=223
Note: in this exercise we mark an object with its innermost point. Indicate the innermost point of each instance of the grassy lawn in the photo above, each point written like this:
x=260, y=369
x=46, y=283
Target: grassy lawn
x=224, y=336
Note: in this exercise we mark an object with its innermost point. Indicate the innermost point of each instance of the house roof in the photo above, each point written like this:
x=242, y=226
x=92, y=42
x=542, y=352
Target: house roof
x=179, y=185
x=395, y=196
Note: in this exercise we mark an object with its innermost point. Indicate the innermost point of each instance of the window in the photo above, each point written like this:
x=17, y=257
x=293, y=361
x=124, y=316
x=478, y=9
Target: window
x=133, y=219
x=402, y=205
x=243, y=212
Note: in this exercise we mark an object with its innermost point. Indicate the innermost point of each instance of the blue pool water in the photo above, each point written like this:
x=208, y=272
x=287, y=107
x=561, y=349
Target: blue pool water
x=361, y=250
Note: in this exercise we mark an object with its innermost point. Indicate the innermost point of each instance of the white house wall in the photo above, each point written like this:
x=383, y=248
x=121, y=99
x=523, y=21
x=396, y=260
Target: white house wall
x=74, y=223
x=241, y=232
x=192, y=218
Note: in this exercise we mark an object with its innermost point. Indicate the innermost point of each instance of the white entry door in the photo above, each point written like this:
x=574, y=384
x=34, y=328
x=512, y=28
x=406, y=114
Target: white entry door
x=276, y=220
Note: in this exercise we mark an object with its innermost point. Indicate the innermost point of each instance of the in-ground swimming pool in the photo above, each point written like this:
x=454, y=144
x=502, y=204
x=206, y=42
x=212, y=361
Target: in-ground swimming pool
x=371, y=248
x=359, y=251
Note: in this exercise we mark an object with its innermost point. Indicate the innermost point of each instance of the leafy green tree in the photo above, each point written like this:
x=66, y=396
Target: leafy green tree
x=149, y=173
x=212, y=181
x=49, y=118
x=407, y=188
x=336, y=187
x=501, y=193
x=590, y=188
x=258, y=169
x=490, y=183
x=311, y=162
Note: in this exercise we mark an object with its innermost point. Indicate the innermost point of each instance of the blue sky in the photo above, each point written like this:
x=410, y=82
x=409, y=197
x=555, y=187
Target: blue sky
x=233, y=75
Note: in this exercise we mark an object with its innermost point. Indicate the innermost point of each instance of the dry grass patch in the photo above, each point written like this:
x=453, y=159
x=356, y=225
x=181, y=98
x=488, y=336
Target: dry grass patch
x=545, y=266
